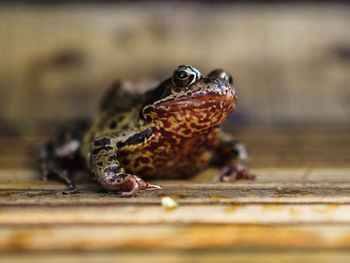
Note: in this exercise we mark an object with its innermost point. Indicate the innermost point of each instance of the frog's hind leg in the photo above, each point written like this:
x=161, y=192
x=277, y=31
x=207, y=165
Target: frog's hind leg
x=233, y=157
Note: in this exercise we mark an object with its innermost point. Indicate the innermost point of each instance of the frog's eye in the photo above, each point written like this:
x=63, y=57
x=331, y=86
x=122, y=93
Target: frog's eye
x=220, y=74
x=185, y=76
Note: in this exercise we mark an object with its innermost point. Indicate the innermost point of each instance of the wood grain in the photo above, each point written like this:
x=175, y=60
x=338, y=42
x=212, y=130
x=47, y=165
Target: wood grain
x=173, y=237
x=202, y=213
x=180, y=256
x=224, y=256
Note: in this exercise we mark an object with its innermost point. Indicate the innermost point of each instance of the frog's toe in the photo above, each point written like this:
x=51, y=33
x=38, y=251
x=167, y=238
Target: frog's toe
x=150, y=187
x=140, y=185
x=234, y=172
x=54, y=169
x=137, y=184
x=64, y=175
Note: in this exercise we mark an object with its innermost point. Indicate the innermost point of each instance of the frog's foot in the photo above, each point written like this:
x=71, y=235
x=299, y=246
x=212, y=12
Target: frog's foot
x=128, y=184
x=48, y=169
x=234, y=172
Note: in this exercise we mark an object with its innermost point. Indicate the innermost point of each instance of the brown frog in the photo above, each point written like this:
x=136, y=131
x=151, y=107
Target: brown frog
x=170, y=132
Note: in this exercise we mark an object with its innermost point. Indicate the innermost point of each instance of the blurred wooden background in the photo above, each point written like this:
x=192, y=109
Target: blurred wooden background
x=291, y=61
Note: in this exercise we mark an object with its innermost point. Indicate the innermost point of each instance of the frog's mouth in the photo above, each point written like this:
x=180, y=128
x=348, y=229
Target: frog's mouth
x=210, y=103
x=207, y=92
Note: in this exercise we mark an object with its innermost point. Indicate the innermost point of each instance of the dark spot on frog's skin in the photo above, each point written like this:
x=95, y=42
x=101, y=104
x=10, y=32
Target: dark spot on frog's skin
x=107, y=148
x=147, y=111
x=113, y=125
x=137, y=138
x=126, y=162
x=206, y=81
x=186, y=132
x=112, y=169
x=120, y=144
x=148, y=132
x=125, y=127
x=143, y=160
x=100, y=164
x=118, y=178
x=102, y=142
x=196, y=127
x=123, y=176
x=112, y=158
x=166, y=124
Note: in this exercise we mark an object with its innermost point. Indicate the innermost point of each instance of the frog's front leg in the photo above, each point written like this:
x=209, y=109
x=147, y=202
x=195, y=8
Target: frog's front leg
x=233, y=157
x=106, y=169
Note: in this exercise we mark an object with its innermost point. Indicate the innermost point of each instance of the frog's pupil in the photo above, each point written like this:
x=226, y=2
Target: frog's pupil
x=182, y=74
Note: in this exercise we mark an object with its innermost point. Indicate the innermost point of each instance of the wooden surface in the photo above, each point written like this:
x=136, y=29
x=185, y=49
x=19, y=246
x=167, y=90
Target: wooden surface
x=298, y=210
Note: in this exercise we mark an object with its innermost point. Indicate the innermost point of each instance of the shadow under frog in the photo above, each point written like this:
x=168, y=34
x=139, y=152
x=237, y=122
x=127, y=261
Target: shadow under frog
x=170, y=132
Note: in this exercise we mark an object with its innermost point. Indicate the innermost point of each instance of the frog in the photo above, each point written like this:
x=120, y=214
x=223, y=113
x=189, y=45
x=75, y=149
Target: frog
x=170, y=132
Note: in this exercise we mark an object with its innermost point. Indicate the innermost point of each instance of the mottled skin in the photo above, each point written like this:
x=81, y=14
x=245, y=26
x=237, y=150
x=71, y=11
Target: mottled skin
x=171, y=132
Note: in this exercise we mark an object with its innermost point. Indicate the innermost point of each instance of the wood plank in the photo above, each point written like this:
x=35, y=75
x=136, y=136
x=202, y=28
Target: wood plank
x=71, y=238
x=322, y=186
x=196, y=195
x=141, y=214
x=184, y=256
